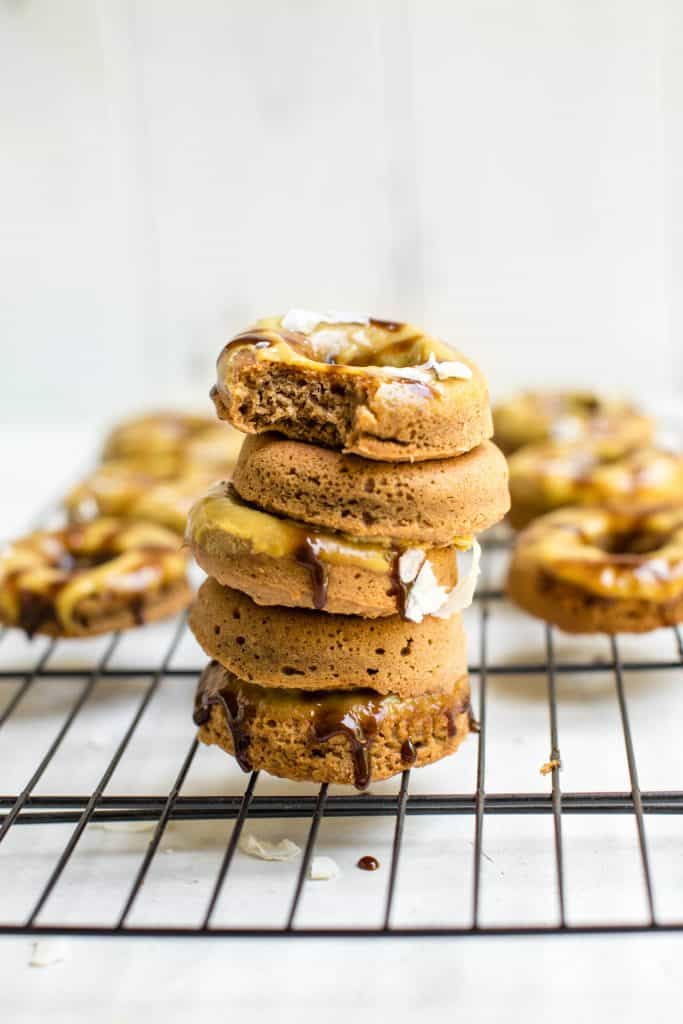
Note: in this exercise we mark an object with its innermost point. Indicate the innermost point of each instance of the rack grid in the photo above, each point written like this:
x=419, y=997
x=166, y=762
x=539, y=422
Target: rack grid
x=79, y=811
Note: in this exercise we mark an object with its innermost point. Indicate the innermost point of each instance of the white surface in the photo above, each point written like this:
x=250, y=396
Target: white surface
x=568, y=979
x=505, y=172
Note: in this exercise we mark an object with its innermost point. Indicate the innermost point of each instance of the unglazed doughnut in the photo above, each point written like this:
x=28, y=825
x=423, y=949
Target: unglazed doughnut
x=152, y=489
x=551, y=475
x=375, y=388
x=612, y=426
x=434, y=502
x=596, y=571
x=302, y=649
x=189, y=439
x=280, y=561
x=321, y=736
x=92, y=578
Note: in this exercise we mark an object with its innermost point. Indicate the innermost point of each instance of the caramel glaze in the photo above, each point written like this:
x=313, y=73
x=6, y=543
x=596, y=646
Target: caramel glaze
x=263, y=337
x=356, y=715
x=368, y=863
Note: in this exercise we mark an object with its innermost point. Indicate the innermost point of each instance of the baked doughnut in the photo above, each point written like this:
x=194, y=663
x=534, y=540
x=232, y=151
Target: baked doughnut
x=189, y=439
x=295, y=648
x=378, y=389
x=92, y=578
x=551, y=475
x=611, y=425
x=323, y=736
x=598, y=571
x=153, y=490
x=279, y=561
x=432, y=502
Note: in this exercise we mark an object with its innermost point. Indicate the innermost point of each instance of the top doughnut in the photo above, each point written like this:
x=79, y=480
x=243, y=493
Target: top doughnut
x=376, y=388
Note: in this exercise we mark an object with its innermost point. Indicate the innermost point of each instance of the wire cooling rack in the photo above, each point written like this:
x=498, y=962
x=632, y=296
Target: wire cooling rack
x=68, y=818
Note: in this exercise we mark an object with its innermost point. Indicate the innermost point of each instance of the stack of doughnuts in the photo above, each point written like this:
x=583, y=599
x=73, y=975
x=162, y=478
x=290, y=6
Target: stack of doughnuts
x=331, y=612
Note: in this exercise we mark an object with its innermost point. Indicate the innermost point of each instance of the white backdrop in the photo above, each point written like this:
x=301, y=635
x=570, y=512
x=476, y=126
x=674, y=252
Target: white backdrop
x=507, y=174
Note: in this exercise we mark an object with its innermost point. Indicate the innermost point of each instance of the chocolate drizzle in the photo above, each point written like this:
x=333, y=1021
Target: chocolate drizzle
x=307, y=555
x=408, y=752
x=234, y=709
x=386, y=325
x=355, y=715
x=398, y=588
x=368, y=863
x=359, y=725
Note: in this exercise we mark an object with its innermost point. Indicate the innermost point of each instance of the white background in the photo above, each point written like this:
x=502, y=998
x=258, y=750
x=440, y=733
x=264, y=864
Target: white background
x=505, y=172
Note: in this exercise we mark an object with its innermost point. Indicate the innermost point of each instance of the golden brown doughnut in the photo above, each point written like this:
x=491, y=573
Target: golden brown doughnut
x=610, y=425
x=156, y=491
x=189, y=439
x=378, y=389
x=92, y=578
x=321, y=736
x=302, y=649
x=551, y=475
x=281, y=562
x=593, y=570
x=436, y=502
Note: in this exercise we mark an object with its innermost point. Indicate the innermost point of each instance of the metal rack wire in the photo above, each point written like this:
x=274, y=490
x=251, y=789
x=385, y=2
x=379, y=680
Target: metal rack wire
x=25, y=808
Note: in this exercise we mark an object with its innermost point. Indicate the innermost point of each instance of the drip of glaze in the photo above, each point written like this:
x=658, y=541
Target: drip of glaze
x=408, y=752
x=387, y=325
x=35, y=611
x=368, y=863
x=137, y=608
x=235, y=715
x=473, y=723
x=398, y=589
x=360, y=727
x=307, y=556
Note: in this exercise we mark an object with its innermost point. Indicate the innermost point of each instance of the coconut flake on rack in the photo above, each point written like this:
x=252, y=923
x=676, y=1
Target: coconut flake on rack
x=305, y=320
x=263, y=849
x=322, y=869
x=425, y=596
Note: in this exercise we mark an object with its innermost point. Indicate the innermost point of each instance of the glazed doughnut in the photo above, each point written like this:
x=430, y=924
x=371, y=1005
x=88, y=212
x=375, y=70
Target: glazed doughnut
x=187, y=439
x=599, y=571
x=92, y=578
x=320, y=736
x=551, y=475
x=154, y=491
x=378, y=389
x=302, y=649
x=611, y=425
x=432, y=502
x=279, y=561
